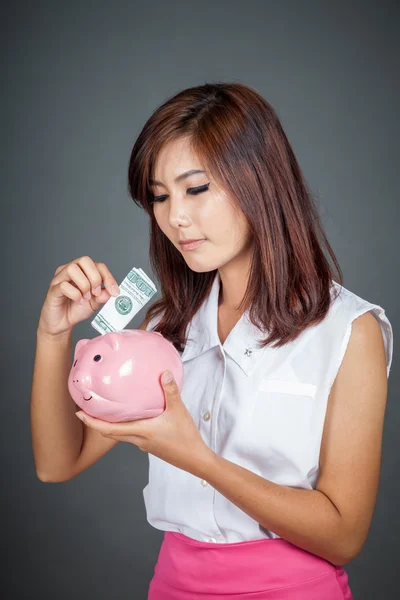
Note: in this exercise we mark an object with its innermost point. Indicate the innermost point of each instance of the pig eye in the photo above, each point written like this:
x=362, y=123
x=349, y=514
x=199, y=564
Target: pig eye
x=97, y=357
x=75, y=362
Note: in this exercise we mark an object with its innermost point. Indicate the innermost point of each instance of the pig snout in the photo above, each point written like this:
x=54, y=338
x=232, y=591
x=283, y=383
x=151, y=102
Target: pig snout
x=82, y=382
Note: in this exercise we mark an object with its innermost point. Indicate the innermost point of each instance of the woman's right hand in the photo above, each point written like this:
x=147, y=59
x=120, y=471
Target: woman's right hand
x=65, y=305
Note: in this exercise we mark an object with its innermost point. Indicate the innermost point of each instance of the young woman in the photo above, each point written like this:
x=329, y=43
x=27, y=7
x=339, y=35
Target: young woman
x=264, y=470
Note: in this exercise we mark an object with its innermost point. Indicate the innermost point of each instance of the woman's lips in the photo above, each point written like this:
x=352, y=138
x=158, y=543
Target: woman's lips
x=191, y=245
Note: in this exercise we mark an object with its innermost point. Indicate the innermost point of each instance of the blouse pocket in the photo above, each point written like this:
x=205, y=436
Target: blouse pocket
x=288, y=387
x=282, y=420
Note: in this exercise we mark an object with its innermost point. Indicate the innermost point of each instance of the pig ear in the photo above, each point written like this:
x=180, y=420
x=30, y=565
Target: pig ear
x=79, y=345
x=113, y=339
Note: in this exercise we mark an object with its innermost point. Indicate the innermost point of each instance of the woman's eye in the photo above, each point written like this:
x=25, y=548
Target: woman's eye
x=157, y=199
x=191, y=191
x=198, y=190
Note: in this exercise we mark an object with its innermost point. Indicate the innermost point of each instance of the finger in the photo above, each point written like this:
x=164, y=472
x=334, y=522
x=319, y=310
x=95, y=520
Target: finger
x=109, y=280
x=59, y=269
x=88, y=276
x=69, y=291
x=72, y=275
x=127, y=428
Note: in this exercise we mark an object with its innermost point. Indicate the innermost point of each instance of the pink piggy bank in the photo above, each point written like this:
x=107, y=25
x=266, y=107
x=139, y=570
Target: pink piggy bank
x=117, y=376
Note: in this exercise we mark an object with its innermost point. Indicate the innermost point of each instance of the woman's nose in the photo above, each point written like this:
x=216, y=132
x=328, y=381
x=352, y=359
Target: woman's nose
x=178, y=216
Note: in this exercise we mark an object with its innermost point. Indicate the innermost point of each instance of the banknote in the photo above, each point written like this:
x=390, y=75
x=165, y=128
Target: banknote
x=136, y=289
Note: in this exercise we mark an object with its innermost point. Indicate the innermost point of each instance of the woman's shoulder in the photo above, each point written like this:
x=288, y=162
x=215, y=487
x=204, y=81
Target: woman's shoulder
x=347, y=303
x=347, y=306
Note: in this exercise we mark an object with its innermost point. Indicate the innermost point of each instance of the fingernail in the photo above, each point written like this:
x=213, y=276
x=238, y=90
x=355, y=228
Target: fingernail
x=115, y=290
x=80, y=416
x=167, y=377
x=97, y=290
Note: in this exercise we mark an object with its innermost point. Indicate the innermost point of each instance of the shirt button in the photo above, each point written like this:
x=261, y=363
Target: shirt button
x=207, y=416
x=203, y=482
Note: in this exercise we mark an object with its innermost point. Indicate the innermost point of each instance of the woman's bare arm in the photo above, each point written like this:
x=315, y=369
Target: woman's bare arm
x=62, y=445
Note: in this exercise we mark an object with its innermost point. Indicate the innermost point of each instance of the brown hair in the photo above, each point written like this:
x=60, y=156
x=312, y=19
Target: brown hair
x=238, y=138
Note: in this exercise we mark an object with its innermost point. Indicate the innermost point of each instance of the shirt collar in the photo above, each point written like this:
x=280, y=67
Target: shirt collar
x=241, y=343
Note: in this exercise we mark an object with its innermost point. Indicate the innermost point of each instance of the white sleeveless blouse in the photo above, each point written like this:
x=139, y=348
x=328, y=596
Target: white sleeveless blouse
x=262, y=409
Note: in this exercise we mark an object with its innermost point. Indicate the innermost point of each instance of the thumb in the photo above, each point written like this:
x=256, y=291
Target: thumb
x=170, y=386
x=167, y=379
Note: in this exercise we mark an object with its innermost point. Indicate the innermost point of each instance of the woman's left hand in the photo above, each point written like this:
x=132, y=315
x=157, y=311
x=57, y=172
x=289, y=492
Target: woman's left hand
x=172, y=436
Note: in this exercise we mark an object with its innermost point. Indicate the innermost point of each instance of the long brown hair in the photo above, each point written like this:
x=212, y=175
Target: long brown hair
x=238, y=138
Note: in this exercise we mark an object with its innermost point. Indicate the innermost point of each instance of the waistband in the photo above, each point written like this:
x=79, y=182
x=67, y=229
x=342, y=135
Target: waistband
x=242, y=567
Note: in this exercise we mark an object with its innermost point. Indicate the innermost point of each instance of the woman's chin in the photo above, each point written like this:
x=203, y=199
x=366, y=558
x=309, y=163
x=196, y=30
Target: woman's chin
x=202, y=266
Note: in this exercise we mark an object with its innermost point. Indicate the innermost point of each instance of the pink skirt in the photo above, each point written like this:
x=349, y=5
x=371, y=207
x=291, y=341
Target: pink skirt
x=267, y=569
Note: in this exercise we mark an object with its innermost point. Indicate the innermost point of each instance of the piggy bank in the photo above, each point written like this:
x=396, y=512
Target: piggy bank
x=117, y=376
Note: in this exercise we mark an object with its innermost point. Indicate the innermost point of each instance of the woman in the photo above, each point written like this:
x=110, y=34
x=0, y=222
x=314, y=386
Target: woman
x=264, y=470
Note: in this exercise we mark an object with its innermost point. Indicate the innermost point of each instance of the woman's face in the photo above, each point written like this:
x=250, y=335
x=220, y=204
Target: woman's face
x=195, y=208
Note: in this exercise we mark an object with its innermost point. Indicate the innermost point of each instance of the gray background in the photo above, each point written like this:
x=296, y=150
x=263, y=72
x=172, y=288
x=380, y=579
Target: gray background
x=79, y=80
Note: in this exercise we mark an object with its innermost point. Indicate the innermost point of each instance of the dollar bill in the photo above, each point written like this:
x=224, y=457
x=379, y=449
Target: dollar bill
x=136, y=290
x=149, y=281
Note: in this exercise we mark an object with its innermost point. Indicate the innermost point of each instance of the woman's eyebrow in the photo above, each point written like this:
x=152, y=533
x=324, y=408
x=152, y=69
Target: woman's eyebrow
x=179, y=178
